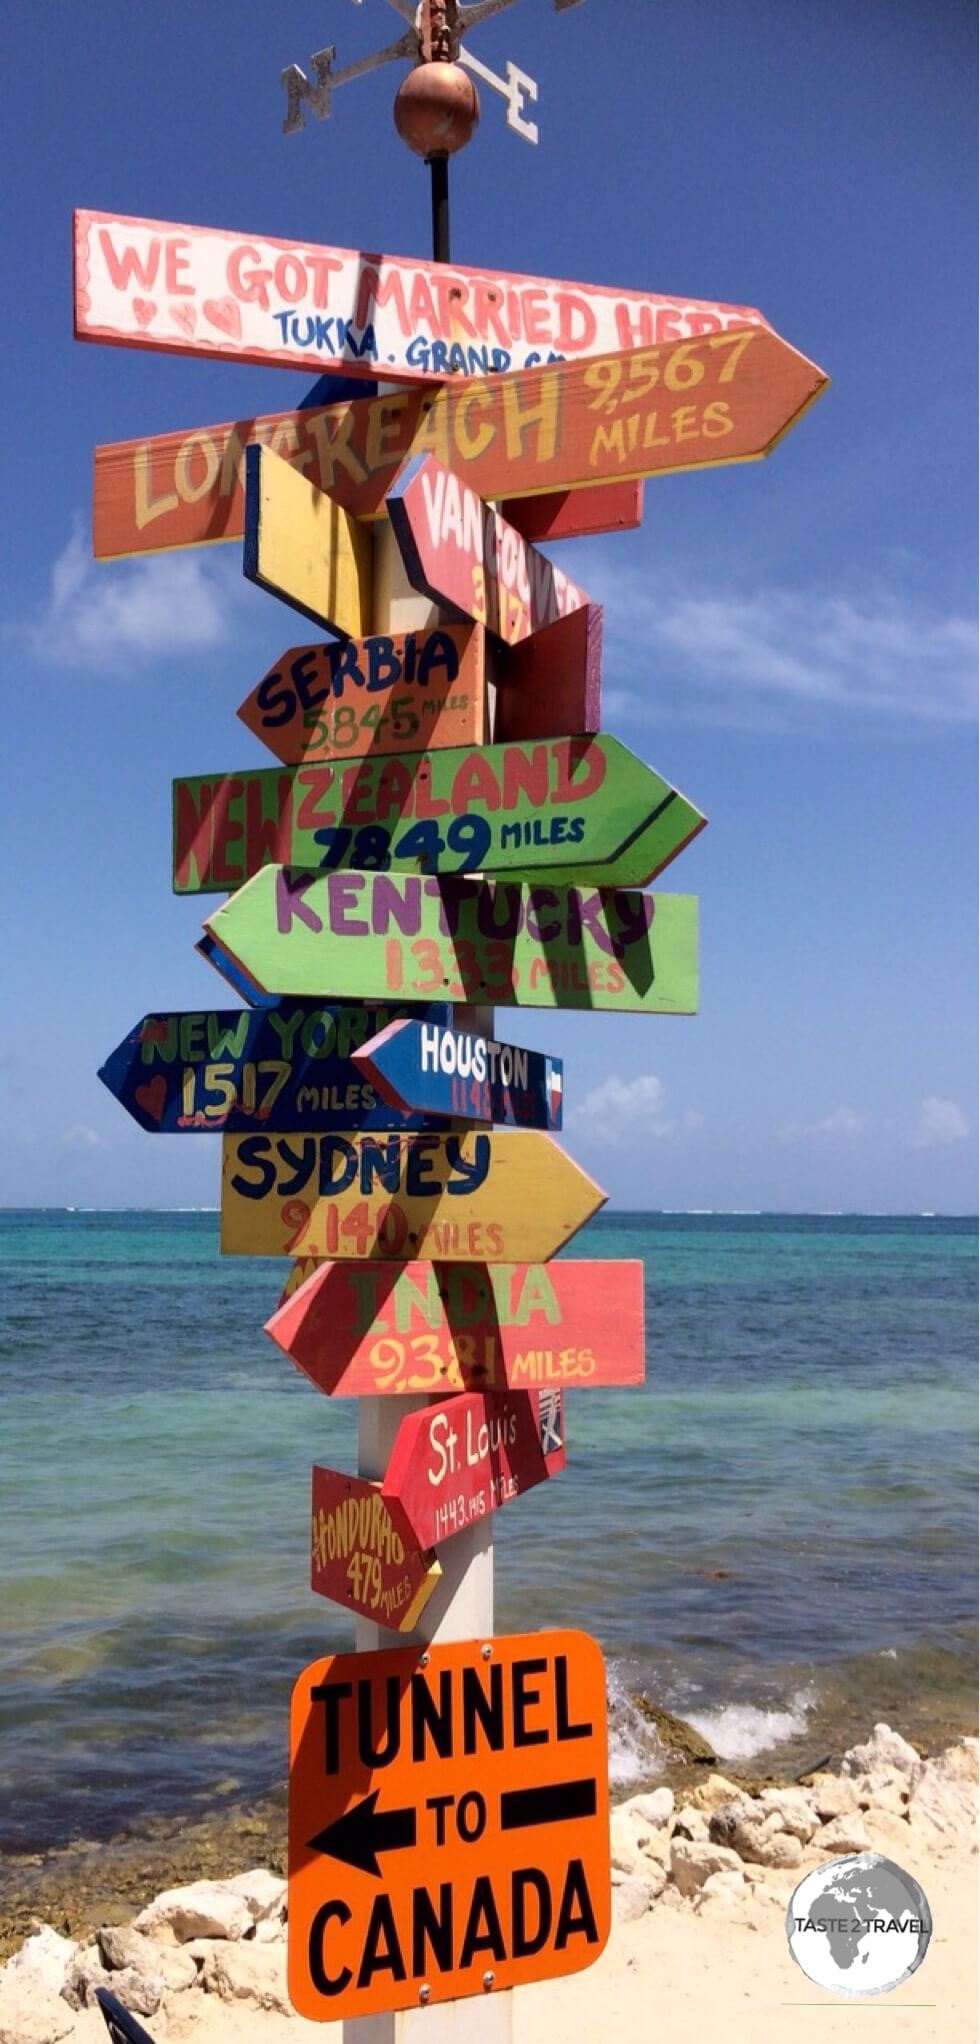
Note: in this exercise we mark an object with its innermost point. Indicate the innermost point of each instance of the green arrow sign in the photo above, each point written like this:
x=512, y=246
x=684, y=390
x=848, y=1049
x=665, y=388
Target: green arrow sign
x=376, y=935
x=568, y=805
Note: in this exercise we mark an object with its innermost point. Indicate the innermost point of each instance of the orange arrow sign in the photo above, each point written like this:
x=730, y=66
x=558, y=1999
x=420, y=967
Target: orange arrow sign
x=615, y=418
x=448, y=1822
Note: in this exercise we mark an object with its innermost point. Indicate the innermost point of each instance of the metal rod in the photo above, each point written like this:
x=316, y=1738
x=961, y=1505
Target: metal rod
x=439, y=174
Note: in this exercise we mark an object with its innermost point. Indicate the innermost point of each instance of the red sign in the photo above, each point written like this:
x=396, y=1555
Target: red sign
x=470, y=1455
x=552, y=683
x=448, y=1822
x=392, y=692
x=574, y=514
x=462, y=553
x=364, y=1555
x=390, y=1328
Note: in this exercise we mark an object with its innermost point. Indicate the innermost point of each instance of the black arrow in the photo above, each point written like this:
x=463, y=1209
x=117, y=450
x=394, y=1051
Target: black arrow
x=552, y=1805
x=362, y=1832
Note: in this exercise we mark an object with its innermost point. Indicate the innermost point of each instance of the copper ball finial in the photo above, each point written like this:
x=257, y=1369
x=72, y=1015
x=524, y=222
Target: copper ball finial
x=437, y=109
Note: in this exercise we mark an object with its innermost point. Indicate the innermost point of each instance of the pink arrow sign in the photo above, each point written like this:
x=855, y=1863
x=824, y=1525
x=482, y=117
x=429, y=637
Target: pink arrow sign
x=462, y=553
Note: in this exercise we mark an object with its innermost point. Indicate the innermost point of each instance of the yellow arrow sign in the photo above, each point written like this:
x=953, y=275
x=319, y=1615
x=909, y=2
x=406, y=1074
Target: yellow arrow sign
x=302, y=546
x=467, y=1196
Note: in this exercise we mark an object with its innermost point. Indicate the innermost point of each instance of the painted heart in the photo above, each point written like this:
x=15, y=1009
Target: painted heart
x=152, y=1097
x=225, y=315
x=184, y=316
x=144, y=311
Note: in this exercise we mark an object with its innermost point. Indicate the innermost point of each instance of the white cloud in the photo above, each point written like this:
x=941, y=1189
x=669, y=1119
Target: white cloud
x=620, y=1111
x=80, y=1137
x=126, y=612
x=842, y=1125
x=938, y=1122
x=772, y=653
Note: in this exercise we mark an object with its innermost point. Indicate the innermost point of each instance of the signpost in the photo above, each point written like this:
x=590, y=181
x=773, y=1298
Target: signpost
x=457, y=1197
x=364, y=1555
x=358, y=936
x=390, y=1330
x=300, y=545
x=560, y=803
x=463, y=554
x=423, y=1068
x=470, y=1455
x=380, y=694
x=448, y=1827
x=287, y=1067
x=652, y=410
x=448, y=1823
x=255, y=298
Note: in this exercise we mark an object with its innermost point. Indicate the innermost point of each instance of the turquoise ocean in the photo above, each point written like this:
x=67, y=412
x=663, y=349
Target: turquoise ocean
x=774, y=1537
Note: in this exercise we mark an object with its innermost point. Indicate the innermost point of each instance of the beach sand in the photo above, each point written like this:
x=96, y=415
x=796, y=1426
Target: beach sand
x=712, y=1962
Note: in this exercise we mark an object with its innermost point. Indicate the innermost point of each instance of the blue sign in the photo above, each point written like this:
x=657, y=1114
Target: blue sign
x=288, y=1068
x=427, y=1068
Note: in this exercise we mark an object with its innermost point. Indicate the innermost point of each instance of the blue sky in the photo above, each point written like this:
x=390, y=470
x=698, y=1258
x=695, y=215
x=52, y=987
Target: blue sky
x=792, y=643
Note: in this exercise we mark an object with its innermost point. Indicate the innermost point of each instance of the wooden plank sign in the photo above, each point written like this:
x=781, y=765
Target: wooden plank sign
x=303, y=547
x=463, y=554
x=379, y=936
x=551, y=683
x=364, y=1555
x=387, y=693
x=448, y=1819
x=467, y=1456
x=187, y=488
x=288, y=1066
x=457, y=1197
x=388, y=1329
x=255, y=298
x=575, y=514
x=567, y=426
x=568, y=803
x=425, y=1068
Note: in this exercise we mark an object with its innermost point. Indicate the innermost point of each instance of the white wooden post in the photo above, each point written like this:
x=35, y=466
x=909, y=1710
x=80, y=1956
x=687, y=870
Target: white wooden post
x=461, y=1607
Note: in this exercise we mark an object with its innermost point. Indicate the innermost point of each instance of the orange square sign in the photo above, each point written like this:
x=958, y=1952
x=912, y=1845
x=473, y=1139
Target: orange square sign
x=448, y=1822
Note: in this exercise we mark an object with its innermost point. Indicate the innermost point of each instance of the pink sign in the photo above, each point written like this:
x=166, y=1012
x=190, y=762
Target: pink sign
x=462, y=553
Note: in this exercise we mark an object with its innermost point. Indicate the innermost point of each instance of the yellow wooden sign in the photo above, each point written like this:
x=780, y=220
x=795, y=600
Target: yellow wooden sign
x=465, y=1196
x=300, y=545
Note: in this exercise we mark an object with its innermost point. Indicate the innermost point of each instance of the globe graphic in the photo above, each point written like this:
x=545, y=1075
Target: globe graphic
x=858, y=1925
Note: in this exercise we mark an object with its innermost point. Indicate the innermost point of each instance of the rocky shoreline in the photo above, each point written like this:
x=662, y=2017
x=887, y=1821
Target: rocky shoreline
x=706, y=1846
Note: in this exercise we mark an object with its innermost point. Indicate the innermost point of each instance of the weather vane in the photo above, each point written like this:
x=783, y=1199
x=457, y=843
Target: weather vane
x=435, y=115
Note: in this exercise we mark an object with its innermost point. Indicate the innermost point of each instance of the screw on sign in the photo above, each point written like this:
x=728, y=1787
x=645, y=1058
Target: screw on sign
x=448, y=1822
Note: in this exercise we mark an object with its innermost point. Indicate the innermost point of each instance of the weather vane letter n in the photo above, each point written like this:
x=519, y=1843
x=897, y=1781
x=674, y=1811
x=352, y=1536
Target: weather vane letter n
x=298, y=88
